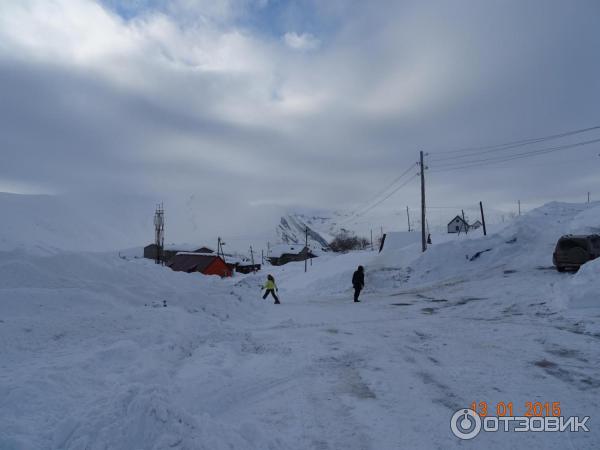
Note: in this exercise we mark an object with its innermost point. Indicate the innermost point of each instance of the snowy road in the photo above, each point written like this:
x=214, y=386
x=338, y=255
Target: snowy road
x=388, y=373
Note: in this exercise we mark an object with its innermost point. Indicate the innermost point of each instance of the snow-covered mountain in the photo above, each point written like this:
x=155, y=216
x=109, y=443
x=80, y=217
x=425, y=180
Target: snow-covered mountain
x=322, y=227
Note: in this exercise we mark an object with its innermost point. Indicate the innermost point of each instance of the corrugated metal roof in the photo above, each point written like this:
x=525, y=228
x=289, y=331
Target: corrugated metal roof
x=191, y=262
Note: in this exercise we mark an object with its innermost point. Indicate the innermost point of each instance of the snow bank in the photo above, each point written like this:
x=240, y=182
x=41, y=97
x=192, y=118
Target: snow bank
x=88, y=351
x=524, y=244
x=399, y=239
x=583, y=289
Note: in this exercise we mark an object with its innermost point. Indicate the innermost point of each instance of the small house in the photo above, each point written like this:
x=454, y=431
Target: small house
x=205, y=263
x=458, y=225
x=284, y=253
x=475, y=225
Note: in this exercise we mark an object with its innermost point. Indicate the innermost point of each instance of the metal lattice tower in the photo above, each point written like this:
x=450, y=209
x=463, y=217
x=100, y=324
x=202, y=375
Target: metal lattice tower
x=159, y=232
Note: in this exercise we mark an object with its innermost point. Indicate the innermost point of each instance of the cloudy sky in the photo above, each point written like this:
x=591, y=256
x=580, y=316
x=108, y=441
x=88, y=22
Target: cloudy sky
x=252, y=105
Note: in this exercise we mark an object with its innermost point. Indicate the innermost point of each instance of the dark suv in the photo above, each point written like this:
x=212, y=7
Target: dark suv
x=574, y=250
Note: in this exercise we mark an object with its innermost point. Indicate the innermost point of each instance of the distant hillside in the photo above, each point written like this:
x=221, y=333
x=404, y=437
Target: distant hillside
x=46, y=224
x=322, y=228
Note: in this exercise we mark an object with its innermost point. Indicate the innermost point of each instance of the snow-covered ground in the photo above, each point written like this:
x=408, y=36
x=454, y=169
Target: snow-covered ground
x=91, y=359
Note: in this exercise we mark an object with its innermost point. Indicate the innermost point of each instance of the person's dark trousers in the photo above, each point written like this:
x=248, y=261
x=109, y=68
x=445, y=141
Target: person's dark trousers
x=272, y=292
x=357, y=290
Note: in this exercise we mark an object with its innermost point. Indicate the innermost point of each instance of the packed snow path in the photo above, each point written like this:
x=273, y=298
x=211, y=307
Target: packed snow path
x=324, y=373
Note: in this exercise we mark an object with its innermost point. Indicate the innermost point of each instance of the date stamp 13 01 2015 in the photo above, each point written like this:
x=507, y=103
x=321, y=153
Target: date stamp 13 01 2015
x=538, y=416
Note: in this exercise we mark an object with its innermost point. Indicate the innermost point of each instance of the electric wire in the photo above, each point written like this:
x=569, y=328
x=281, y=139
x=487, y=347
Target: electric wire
x=386, y=188
x=366, y=205
x=383, y=199
x=505, y=146
x=504, y=158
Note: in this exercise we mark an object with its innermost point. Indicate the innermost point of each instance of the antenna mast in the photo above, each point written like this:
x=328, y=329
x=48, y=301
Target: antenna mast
x=159, y=233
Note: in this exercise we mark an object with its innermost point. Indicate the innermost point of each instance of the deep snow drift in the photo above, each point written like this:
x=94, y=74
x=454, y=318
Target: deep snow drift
x=89, y=352
x=90, y=357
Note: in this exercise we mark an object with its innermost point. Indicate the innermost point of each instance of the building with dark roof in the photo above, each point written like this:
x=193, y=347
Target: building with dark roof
x=284, y=253
x=205, y=263
x=170, y=250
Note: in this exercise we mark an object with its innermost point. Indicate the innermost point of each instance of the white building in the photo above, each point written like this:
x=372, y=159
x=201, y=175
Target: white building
x=458, y=225
x=475, y=225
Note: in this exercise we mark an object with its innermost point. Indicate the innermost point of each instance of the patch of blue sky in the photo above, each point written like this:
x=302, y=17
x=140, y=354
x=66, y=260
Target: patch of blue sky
x=129, y=9
x=270, y=19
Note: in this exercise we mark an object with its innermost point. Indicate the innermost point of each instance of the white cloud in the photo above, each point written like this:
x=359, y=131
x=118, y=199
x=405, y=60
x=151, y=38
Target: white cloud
x=304, y=41
x=181, y=104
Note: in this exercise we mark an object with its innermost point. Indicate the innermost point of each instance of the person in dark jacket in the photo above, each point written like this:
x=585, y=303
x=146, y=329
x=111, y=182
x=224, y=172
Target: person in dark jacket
x=358, y=281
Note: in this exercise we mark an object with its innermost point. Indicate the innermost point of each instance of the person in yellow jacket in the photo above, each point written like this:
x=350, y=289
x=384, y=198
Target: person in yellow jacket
x=271, y=288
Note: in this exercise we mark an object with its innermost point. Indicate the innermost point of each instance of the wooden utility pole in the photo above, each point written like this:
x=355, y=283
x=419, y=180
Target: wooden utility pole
x=371, y=239
x=423, y=237
x=482, y=218
x=306, y=248
x=262, y=256
x=408, y=219
x=220, y=251
x=519, y=207
x=465, y=224
x=252, y=258
x=588, y=197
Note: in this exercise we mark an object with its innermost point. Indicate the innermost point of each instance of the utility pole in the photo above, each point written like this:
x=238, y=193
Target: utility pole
x=465, y=224
x=482, y=218
x=220, y=251
x=306, y=248
x=262, y=256
x=371, y=239
x=588, y=197
x=252, y=258
x=408, y=219
x=423, y=238
x=519, y=207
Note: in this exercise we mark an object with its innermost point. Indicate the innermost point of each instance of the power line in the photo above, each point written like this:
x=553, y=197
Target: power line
x=385, y=189
x=507, y=145
x=384, y=198
x=500, y=159
x=452, y=207
x=359, y=211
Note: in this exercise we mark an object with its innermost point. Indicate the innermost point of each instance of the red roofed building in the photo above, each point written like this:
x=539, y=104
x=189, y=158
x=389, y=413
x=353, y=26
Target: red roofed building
x=205, y=263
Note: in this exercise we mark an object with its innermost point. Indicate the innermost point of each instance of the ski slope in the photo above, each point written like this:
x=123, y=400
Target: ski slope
x=90, y=358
